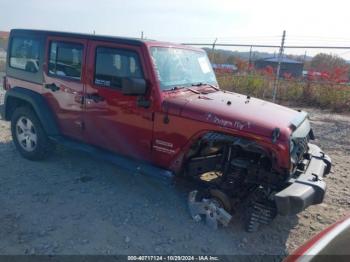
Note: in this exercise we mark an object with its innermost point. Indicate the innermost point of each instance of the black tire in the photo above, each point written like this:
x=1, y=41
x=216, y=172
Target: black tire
x=218, y=195
x=222, y=198
x=38, y=150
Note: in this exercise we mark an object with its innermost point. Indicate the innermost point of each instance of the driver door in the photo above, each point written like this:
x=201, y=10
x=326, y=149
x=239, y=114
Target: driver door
x=112, y=120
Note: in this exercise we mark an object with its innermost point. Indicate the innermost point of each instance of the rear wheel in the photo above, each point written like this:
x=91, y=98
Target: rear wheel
x=29, y=136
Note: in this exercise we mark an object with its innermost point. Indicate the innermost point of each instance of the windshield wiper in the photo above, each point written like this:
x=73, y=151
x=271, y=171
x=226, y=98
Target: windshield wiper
x=205, y=84
x=181, y=87
x=174, y=88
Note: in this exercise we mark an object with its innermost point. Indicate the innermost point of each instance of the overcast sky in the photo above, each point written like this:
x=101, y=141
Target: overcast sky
x=307, y=22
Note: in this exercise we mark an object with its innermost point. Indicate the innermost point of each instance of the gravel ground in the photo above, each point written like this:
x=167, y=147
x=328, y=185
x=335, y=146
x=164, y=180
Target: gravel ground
x=75, y=204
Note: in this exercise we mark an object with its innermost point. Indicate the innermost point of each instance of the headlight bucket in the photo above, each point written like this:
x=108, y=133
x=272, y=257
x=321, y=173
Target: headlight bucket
x=291, y=145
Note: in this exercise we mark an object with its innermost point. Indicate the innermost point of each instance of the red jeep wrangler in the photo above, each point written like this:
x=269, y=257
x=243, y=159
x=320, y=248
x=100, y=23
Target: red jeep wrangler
x=157, y=108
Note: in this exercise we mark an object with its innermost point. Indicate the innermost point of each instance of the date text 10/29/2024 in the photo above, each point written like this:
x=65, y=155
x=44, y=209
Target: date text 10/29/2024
x=173, y=258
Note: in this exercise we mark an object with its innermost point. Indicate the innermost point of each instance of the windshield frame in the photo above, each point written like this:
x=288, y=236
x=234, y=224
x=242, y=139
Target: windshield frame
x=191, y=84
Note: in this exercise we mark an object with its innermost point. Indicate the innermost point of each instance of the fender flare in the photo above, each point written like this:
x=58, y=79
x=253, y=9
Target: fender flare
x=38, y=103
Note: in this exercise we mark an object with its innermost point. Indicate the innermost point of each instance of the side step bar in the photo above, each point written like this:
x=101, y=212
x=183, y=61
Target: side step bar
x=126, y=163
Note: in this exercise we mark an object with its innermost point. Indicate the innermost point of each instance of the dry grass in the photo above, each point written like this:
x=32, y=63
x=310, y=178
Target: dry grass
x=328, y=95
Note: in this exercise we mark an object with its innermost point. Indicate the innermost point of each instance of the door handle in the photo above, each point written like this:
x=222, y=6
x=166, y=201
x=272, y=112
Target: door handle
x=52, y=87
x=95, y=97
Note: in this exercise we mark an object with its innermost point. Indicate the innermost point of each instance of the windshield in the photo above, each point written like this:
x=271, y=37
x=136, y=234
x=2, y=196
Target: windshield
x=178, y=67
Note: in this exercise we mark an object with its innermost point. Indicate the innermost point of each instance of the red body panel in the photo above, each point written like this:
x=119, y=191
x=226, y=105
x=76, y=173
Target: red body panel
x=117, y=123
x=180, y=132
x=12, y=82
x=320, y=240
x=67, y=101
x=163, y=132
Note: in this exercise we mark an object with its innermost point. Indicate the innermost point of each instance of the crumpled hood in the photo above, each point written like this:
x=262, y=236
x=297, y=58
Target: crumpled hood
x=234, y=111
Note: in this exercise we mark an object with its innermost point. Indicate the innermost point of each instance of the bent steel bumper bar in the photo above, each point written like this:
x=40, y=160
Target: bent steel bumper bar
x=309, y=188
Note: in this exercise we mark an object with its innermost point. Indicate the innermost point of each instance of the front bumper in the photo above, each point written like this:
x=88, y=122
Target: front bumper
x=309, y=188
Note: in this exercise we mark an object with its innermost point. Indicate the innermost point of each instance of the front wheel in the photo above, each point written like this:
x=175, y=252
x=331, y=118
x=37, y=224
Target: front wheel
x=29, y=136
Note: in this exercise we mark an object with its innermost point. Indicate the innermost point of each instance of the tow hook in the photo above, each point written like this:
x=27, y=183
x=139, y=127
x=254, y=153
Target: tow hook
x=208, y=208
x=315, y=178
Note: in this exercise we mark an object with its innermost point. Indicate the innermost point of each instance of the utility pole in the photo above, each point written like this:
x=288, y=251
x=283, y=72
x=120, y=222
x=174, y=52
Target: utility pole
x=212, y=50
x=280, y=55
x=141, y=34
x=250, y=58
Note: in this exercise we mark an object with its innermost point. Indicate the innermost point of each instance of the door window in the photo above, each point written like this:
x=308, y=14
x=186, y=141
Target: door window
x=114, y=64
x=66, y=60
x=24, y=54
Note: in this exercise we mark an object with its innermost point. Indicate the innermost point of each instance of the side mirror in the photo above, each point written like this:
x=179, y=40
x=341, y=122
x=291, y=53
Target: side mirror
x=134, y=86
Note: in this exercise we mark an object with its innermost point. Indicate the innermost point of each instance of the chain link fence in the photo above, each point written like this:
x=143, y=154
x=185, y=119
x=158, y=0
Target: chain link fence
x=2, y=73
x=2, y=91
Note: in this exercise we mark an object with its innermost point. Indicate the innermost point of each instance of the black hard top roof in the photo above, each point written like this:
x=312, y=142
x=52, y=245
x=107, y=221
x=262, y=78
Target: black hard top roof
x=126, y=40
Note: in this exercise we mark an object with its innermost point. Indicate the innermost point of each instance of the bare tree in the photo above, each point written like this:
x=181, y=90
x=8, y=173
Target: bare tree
x=326, y=62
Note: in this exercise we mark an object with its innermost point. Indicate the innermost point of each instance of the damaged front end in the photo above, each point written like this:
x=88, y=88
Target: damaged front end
x=233, y=172
x=309, y=165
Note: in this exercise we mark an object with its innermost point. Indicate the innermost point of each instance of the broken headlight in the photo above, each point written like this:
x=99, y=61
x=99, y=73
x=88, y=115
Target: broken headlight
x=292, y=157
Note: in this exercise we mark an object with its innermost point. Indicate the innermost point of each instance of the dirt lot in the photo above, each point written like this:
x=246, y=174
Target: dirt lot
x=74, y=204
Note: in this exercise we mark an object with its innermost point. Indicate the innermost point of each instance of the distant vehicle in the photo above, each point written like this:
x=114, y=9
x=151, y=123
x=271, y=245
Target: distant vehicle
x=157, y=106
x=330, y=244
x=224, y=68
x=338, y=76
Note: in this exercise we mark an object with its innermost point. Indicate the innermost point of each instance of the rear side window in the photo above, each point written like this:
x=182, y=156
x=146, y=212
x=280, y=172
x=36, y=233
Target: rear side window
x=114, y=64
x=24, y=54
x=65, y=60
